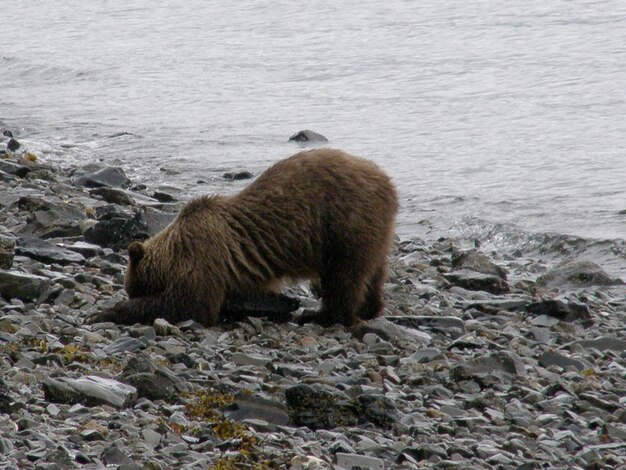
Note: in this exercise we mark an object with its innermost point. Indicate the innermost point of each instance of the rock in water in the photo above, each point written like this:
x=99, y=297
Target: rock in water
x=112, y=177
x=308, y=136
x=577, y=274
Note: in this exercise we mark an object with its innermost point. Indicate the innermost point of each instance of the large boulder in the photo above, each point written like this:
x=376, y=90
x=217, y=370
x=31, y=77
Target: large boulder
x=575, y=274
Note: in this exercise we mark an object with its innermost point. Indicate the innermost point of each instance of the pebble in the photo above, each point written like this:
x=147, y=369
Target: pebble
x=478, y=361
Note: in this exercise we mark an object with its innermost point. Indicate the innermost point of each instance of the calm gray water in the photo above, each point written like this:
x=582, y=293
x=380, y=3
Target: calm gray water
x=503, y=121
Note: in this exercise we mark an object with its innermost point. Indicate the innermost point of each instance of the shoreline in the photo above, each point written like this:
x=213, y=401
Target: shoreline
x=481, y=360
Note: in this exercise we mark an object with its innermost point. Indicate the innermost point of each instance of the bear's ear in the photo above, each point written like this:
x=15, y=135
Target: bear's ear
x=136, y=252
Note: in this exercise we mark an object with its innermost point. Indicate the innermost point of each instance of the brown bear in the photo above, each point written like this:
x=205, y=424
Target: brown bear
x=321, y=215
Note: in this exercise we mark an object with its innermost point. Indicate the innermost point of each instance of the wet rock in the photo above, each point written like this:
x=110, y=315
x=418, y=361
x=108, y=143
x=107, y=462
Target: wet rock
x=392, y=332
x=117, y=232
x=46, y=252
x=14, y=169
x=113, y=196
x=89, y=390
x=236, y=176
x=564, y=311
x=552, y=358
x=13, y=145
x=577, y=274
x=22, y=286
x=472, y=280
x=308, y=136
x=477, y=262
x=7, y=252
x=111, y=177
x=163, y=197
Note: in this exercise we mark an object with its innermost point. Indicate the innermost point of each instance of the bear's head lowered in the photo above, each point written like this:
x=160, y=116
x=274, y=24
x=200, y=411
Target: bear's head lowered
x=142, y=274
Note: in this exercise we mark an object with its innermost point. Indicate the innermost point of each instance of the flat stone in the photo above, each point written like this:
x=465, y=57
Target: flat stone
x=472, y=280
x=112, y=455
x=351, y=461
x=391, y=332
x=22, y=286
x=251, y=406
x=577, y=274
x=113, y=196
x=604, y=343
x=551, y=358
x=46, y=252
x=88, y=250
x=425, y=355
x=89, y=390
x=256, y=360
x=484, y=366
x=124, y=344
x=428, y=321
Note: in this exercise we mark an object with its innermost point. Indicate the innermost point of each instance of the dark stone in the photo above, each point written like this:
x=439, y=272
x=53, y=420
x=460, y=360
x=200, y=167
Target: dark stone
x=473, y=280
x=308, y=136
x=577, y=274
x=113, y=196
x=550, y=358
x=14, y=168
x=321, y=407
x=249, y=406
x=112, y=177
x=495, y=305
x=22, y=286
x=7, y=133
x=275, y=306
x=569, y=312
x=163, y=197
x=5, y=398
x=7, y=252
x=13, y=145
x=477, y=262
x=427, y=321
x=117, y=233
x=46, y=252
x=241, y=175
x=151, y=381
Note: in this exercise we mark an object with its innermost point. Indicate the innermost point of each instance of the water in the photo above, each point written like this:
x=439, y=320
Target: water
x=502, y=121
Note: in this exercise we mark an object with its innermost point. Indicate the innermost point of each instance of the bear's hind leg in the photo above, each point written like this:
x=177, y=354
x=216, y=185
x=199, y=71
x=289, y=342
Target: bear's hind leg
x=373, y=304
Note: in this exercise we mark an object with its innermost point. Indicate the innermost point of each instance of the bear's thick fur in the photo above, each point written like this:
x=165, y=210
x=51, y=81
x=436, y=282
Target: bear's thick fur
x=321, y=214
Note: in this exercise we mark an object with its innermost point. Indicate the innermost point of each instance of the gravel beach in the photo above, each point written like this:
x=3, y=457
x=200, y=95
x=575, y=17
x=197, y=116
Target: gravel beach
x=480, y=360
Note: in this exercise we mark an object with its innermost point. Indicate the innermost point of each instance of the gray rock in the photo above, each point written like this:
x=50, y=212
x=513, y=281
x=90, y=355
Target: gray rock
x=112, y=455
x=13, y=168
x=46, y=252
x=112, y=177
x=472, y=280
x=477, y=262
x=88, y=250
x=256, y=360
x=152, y=381
x=124, y=344
x=7, y=252
x=252, y=406
x=425, y=355
x=308, y=136
x=363, y=462
x=89, y=390
x=117, y=232
x=551, y=358
x=577, y=274
x=485, y=366
x=604, y=343
x=22, y=286
x=392, y=332
x=239, y=175
x=113, y=196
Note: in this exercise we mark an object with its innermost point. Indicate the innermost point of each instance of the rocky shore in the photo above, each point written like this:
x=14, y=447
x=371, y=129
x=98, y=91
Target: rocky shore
x=480, y=360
